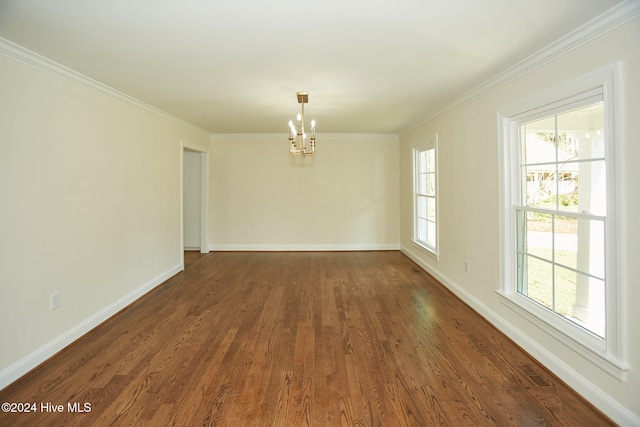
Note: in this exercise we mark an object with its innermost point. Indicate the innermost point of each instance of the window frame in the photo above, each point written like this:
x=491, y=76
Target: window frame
x=416, y=150
x=608, y=352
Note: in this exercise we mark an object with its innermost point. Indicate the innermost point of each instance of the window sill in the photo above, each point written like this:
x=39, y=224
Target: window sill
x=426, y=250
x=582, y=342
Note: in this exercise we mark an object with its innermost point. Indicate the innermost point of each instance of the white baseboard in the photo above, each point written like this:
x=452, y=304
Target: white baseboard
x=604, y=402
x=31, y=361
x=308, y=248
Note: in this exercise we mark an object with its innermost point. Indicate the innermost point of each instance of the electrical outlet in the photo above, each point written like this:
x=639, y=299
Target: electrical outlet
x=54, y=301
x=246, y=230
x=466, y=267
x=388, y=229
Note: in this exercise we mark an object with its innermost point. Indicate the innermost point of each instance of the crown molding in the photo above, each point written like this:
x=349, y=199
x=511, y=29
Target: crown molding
x=597, y=27
x=41, y=63
x=325, y=136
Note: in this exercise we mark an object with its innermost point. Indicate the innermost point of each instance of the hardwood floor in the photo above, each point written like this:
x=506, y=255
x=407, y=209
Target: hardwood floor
x=314, y=338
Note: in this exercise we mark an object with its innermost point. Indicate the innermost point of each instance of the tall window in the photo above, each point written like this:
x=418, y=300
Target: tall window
x=560, y=214
x=558, y=251
x=425, y=196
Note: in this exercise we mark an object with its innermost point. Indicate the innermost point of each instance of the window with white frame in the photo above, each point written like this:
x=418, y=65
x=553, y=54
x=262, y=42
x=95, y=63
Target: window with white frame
x=559, y=241
x=560, y=213
x=425, y=195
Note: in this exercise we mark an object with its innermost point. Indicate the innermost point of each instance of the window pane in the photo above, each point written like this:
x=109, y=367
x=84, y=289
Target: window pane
x=596, y=253
x=538, y=235
x=421, y=232
x=431, y=234
x=422, y=183
x=431, y=184
x=431, y=209
x=565, y=291
x=568, y=187
x=521, y=228
x=580, y=298
x=583, y=187
x=581, y=133
x=431, y=160
x=538, y=283
x=579, y=244
x=582, y=249
x=539, y=141
x=422, y=161
x=421, y=206
x=541, y=186
x=565, y=241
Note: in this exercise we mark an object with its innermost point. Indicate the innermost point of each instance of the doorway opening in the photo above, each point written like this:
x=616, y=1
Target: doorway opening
x=194, y=177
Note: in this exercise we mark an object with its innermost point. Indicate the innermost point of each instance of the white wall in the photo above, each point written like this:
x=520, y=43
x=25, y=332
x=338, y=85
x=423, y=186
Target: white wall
x=346, y=197
x=468, y=172
x=89, y=207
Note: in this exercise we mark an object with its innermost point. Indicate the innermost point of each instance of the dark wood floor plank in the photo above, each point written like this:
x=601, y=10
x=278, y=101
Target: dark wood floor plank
x=301, y=339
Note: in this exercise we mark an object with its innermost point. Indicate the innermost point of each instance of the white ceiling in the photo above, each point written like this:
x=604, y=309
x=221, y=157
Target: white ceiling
x=234, y=66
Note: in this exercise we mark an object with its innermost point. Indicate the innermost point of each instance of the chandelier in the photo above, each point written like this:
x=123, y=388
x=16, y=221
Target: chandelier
x=297, y=135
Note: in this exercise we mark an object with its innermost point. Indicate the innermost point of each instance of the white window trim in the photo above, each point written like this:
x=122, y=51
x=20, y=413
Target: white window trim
x=608, y=353
x=433, y=252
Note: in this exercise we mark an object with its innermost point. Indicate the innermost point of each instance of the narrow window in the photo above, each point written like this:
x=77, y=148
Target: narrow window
x=425, y=196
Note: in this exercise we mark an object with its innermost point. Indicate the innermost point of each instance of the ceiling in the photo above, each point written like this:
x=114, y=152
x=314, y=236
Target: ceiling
x=234, y=66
